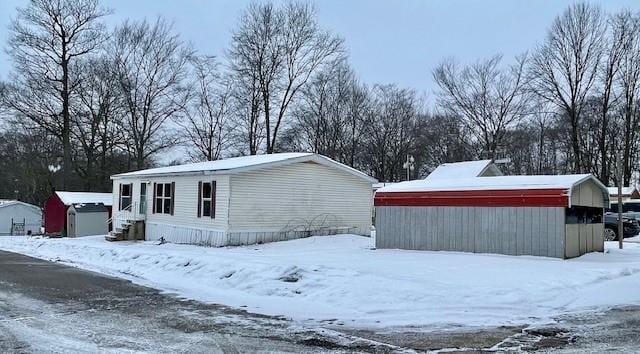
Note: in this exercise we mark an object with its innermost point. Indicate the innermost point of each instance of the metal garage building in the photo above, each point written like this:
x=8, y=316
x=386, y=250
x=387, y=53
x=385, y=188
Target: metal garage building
x=554, y=216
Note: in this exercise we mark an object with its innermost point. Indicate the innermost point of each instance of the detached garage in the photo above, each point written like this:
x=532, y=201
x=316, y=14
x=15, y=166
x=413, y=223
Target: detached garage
x=553, y=216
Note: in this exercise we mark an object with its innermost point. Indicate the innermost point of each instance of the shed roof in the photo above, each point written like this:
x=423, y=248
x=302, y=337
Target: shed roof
x=69, y=198
x=625, y=190
x=499, y=190
x=244, y=163
x=465, y=169
x=90, y=208
x=5, y=203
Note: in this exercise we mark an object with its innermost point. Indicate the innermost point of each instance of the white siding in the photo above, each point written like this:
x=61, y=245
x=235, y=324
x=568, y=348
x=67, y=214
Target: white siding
x=300, y=196
x=19, y=212
x=186, y=204
x=587, y=194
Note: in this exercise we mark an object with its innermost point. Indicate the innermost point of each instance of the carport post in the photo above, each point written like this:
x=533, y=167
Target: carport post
x=620, y=227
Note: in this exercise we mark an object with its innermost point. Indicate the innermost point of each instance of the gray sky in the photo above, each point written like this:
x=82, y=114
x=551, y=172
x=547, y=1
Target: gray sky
x=389, y=41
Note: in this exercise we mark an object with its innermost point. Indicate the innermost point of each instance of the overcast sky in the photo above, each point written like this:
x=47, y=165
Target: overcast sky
x=389, y=41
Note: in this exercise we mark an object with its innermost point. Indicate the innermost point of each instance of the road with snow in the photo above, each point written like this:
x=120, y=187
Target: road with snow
x=51, y=307
x=48, y=307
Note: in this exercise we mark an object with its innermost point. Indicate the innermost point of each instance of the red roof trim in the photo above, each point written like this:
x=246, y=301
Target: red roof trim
x=496, y=198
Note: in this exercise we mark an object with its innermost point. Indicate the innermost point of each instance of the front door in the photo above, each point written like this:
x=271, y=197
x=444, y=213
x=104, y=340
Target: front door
x=143, y=198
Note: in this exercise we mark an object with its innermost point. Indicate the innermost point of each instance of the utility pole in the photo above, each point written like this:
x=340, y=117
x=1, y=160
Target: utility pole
x=409, y=165
x=619, y=177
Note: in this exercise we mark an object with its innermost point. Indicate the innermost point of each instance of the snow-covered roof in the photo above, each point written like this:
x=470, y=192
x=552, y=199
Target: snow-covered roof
x=379, y=185
x=491, y=183
x=89, y=208
x=625, y=190
x=465, y=169
x=69, y=198
x=243, y=163
x=9, y=202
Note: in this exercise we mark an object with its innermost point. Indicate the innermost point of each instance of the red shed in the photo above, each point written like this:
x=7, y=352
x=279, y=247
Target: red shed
x=55, y=208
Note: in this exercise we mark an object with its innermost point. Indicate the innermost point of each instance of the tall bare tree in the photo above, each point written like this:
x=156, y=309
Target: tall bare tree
x=488, y=98
x=330, y=118
x=98, y=112
x=565, y=67
x=151, y=65
x=46, y=40
x=208, y=116
x=628, y=80
x=281, y=47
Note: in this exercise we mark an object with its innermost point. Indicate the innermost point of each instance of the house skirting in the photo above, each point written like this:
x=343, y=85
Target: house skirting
x=219, y=238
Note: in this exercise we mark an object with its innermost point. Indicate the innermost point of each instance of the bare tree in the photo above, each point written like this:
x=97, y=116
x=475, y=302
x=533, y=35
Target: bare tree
x=98, y=111
x=628, y=79
x=207, y=119
x=151, y=64
x=565, y=66
x=330, y=118
x=489, y=99
x=281, y=48
x=391, y=130
x=45, y=42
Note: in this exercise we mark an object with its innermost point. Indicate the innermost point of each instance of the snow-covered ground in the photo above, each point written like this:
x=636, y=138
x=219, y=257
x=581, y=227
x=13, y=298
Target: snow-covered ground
x=343, y=278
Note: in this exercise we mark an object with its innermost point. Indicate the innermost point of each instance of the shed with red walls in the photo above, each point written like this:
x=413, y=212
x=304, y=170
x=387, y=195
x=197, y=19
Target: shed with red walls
x=55, y=207
x=553, y=216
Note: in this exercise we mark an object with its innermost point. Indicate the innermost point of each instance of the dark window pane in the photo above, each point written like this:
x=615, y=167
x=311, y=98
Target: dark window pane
x=206, y=208
x=143, y=189
x=126, y=189
x=159, y=190
x=158, y=205
x=125, y=202
x=167, y=206
x=167, y=189
x=206, y=190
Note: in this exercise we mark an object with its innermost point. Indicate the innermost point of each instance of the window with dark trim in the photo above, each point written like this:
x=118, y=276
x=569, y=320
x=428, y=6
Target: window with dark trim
x=164, y=198
x=207, y=199
x=583, y=215
x=125, y=196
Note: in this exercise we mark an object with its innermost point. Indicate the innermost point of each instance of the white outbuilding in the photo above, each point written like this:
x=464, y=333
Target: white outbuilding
x=87, y=220
x=19, y=218
x=244, y=200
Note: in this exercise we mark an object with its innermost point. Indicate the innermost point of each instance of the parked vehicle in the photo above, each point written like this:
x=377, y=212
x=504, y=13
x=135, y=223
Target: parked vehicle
x=630, y=226
x=630, y=209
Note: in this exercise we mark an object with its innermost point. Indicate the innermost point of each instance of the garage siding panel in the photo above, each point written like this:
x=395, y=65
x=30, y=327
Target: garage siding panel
x=504, y=230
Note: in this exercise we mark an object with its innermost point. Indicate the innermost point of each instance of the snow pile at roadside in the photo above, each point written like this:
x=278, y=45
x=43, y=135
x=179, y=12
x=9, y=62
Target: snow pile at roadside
x=343, y=278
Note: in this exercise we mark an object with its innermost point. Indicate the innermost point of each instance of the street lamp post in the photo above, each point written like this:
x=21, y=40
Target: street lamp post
x=409, y=165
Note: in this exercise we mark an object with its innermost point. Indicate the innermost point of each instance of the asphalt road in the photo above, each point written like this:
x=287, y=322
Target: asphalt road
x=47, y=307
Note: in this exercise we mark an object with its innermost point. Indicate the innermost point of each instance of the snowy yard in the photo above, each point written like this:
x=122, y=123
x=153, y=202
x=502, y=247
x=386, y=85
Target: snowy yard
x=343, y=278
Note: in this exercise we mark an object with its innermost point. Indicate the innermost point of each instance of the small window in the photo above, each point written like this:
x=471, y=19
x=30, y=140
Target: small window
x=125, y=196
x=583, y=215
x=207, y=199
x=163, y=198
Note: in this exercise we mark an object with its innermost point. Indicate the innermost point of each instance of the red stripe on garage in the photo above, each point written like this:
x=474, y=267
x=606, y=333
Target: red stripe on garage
x=498, y=198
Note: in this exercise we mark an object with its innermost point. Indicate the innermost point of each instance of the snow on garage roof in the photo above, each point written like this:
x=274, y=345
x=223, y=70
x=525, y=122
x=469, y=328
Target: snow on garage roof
x=491, y=183
x=505, y=191
x=69, y=198
x=464, y=169
x=244, y=163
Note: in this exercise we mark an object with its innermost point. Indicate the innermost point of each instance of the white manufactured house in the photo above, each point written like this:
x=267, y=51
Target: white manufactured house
x=19, y=218
x=244, y=200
